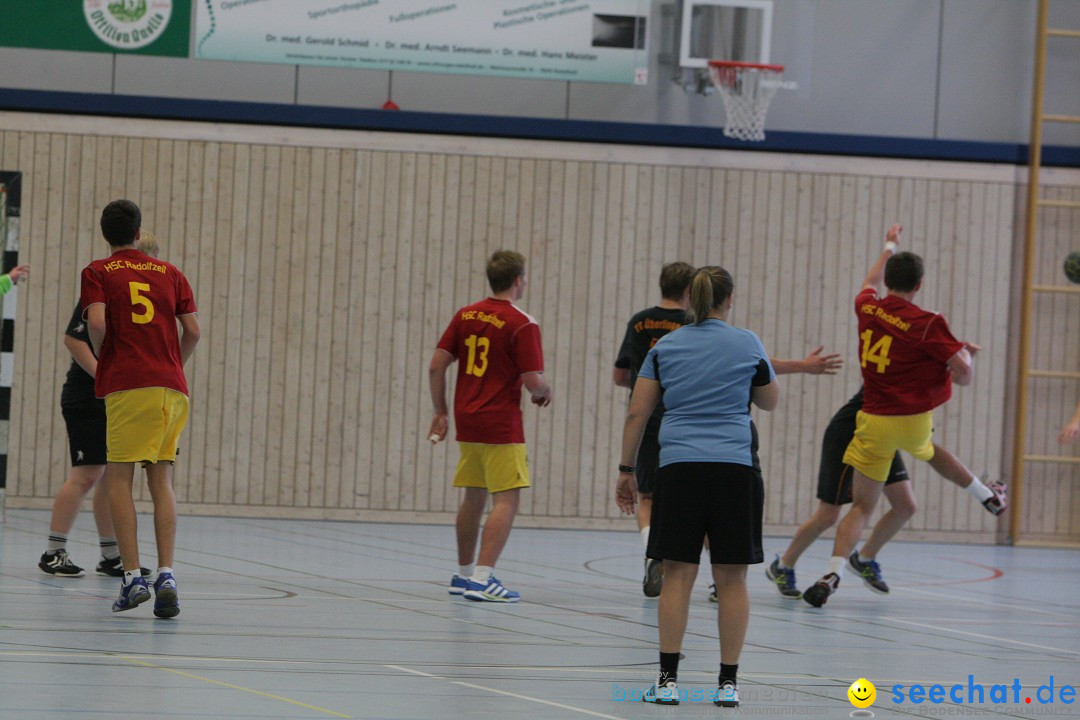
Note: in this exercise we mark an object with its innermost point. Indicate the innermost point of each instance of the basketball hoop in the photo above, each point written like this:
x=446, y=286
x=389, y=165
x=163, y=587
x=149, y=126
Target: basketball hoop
x=746, y=89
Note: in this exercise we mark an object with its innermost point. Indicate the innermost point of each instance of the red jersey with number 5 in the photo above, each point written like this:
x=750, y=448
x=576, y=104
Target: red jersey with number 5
x=903, y=350
x=143, y=297
x=495, y=343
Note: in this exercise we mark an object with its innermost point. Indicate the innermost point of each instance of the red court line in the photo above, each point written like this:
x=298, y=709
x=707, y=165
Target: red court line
x=995, y=573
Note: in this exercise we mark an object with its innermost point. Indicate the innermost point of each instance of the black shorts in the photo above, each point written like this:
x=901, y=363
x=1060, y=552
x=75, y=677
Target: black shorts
x=721, y=501
x=834, y=477
x=86, y=431
x=648, y=457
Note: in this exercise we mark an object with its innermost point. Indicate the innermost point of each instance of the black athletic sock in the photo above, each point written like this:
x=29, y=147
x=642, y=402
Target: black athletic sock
x=669, y=667
x=728, y=672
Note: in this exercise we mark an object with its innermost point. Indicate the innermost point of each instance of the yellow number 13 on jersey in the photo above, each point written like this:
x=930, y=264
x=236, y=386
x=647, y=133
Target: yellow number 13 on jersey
x=878, y=353
x=137, y=298
x=477, y=362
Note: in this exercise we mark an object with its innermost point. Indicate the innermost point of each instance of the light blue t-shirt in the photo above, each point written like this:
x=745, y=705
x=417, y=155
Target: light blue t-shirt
x=707, y=372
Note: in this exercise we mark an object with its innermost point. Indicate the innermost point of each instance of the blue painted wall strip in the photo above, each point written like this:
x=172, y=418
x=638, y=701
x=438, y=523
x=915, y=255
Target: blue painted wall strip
x=690, y=136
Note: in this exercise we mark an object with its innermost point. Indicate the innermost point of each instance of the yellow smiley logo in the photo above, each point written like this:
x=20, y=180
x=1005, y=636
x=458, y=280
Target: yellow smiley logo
x=862, y=693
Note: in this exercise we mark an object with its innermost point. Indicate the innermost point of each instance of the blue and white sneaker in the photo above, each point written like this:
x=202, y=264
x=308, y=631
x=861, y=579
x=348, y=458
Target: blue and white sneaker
x=727, y=695
x=457, y=585
x=491, y=591
x=666, y=694
x=166, y=602
x=131, y=595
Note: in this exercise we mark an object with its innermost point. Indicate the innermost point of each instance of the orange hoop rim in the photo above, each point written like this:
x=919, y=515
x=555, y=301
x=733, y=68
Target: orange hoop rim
x=733, y=65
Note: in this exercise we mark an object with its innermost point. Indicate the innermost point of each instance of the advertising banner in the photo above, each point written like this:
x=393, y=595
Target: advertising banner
x=579, y=40
x=145, y=27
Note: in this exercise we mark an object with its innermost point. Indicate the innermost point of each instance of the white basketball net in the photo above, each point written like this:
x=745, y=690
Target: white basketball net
x=746, y=92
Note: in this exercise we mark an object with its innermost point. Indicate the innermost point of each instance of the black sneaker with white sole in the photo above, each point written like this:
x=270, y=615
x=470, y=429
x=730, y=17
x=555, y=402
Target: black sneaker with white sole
x=59, y=564
x=114, y=567
x=818, y=593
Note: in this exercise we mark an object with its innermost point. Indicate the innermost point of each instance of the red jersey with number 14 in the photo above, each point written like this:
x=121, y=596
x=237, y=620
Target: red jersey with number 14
x=495, y=343
x=143, y=297
x=903, y=350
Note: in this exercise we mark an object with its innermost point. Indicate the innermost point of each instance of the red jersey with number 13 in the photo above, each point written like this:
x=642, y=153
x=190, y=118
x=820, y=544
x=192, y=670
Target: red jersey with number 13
x=903, y=350
x=495, y=343
x=143, y=297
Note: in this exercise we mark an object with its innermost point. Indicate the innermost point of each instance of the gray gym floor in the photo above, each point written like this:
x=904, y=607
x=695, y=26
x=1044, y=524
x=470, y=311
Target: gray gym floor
x=294, y=619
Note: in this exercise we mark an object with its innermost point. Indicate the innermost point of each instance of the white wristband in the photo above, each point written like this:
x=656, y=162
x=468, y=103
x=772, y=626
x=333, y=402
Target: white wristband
x=890, y=247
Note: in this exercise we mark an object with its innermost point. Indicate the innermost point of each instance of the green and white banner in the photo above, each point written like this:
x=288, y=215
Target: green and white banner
x=580, y=40
x=145, y=27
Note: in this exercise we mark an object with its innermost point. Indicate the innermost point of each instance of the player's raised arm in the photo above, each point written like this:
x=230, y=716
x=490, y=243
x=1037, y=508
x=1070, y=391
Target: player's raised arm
x=813, y=364
x=876, y=275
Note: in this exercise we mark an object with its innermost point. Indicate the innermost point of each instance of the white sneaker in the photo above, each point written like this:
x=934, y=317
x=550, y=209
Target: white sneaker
x=727, y=695
x=666, y=694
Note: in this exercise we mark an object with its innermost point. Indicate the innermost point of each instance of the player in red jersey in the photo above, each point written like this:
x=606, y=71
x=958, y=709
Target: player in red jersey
x=499, y=349
x=909, y=361
x=132, y=304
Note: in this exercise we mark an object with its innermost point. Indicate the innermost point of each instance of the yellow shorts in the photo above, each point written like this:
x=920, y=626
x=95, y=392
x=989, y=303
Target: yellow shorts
x=494, y=467
x=144, y=425
x=878, y=437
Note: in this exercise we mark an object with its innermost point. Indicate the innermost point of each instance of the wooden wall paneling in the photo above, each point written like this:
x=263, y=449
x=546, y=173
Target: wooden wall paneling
x=70, y=266
x=252, y=354
x=216, y=186
x=364, y=299
x=324, y=424
x=949, y=277
x=596, y=234
x=292, y=254
x=200, y=273
x=430, y=468
x=306, y=321
x=630, y=274
x=826, y=307
x=282, y=343
x=395, y=363
x=760, y=296
x=558, y=284
x=785, y=341
x=40, y=341
x=341, y=404
x=443, y=497
x=230, y=237
x=593, y=482
x=416, y=195
x=384, y=179
x=983, y=247
x=541, y=302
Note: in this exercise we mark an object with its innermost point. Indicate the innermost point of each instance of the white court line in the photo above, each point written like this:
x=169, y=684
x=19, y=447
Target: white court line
x=984, y=637
x=976, y=599
x=528, y=698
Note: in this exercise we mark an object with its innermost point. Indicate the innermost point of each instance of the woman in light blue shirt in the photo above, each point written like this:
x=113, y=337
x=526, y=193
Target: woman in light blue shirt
x=708, y=373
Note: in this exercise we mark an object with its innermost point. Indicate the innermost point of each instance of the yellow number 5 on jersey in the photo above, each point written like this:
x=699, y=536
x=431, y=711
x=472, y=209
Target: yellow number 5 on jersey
x=478, y=350
x=136, y=299
x=878, y=353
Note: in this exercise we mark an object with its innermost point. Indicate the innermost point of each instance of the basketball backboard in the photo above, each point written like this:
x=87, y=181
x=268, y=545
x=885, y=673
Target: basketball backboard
x=739, y=30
